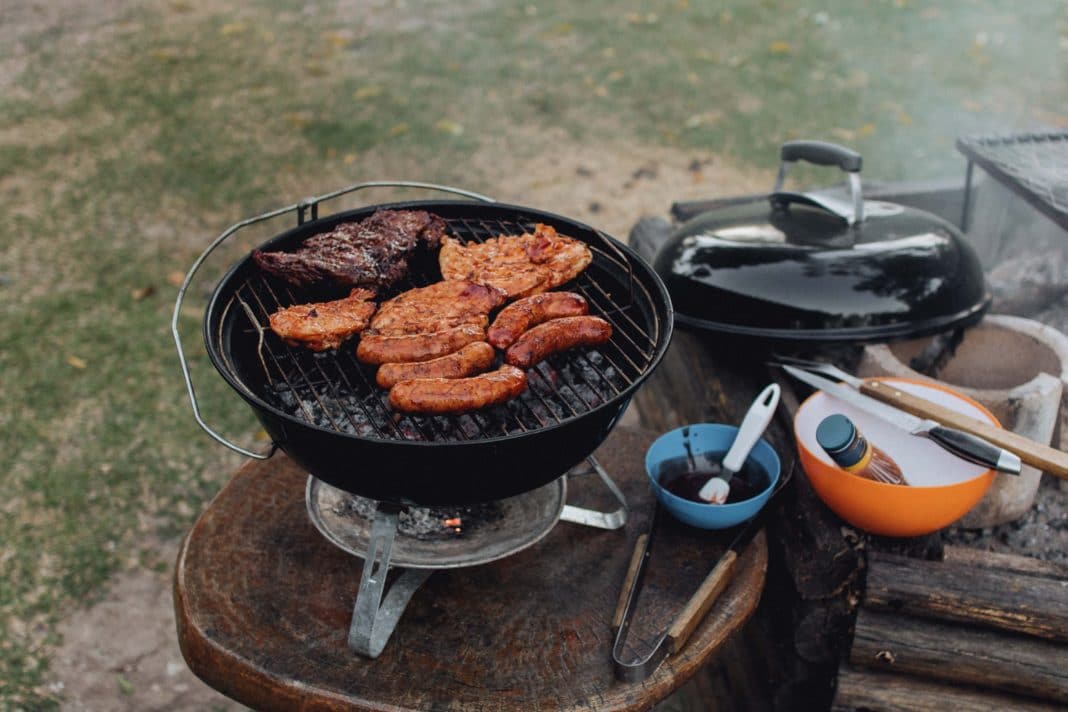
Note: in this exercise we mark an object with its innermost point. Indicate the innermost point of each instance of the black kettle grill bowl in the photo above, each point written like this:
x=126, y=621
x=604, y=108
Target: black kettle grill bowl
x=325, y=411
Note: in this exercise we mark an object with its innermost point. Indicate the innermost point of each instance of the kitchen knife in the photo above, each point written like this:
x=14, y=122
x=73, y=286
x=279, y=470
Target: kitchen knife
x=963, y=445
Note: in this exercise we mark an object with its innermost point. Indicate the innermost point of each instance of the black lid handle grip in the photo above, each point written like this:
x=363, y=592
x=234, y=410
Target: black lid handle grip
x=822, y=153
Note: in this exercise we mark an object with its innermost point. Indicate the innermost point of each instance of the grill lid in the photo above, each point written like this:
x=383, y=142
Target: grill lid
x=807, y=267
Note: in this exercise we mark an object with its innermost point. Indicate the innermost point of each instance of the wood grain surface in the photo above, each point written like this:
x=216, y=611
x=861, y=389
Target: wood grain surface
x=961, y=592
x=264, y=603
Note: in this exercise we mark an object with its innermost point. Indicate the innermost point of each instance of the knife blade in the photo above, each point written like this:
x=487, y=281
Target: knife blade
x=964, y=445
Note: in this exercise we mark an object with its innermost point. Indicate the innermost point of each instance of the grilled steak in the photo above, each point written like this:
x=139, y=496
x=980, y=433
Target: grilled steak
x=373, y=253
x=442, y=305
x=324, y=325
x=517, y=265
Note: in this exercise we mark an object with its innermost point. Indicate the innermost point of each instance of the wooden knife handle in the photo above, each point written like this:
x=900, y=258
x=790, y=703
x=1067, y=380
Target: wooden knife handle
x=701, y=601
x=1035, y=454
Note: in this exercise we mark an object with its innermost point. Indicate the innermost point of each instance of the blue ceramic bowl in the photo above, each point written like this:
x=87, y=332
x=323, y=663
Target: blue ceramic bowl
x=715, y=439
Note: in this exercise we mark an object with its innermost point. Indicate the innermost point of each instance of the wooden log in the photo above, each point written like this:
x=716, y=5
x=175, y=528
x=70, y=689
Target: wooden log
x=873, y=691
x=979, y=657
x=968, y=556
x=963, y=592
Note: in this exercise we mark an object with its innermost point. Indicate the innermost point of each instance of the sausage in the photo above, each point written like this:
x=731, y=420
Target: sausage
x=473, y=358
x=524, y=313
x=457, y=395
x=557, y=335
x=377, y=349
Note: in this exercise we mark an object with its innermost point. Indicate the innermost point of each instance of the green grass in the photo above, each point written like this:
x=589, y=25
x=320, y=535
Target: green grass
x=122, y=156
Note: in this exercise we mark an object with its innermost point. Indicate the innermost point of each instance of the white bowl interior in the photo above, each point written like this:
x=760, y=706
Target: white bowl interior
x=923, y=463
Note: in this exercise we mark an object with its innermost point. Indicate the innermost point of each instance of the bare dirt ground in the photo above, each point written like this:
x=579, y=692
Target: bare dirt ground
x=122, y=653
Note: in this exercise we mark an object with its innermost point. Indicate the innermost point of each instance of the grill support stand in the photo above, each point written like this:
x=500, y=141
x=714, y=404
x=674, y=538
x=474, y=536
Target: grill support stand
x=376, y=613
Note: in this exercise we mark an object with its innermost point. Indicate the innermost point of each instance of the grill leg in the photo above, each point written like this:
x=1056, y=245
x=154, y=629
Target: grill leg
x=373, y=619
x=592, y=518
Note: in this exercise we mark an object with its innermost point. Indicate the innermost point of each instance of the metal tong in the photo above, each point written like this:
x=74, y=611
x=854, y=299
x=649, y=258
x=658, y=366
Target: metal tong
x=1032, y=453
x=674, y=638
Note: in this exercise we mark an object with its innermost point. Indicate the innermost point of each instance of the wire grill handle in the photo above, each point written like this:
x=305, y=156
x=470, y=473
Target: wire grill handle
x=301, y=209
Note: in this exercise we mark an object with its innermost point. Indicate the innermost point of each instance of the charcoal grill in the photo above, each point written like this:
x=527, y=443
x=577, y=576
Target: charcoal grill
x=327, y=413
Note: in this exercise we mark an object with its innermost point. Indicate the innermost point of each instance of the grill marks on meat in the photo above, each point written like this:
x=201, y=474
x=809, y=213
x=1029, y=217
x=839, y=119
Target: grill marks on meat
x=517, y=265
x=442, y=305
x=557, y=335
x=471, y=359
x=324, y=325
x=443, y=395
x=521, y=315
x=373, y=253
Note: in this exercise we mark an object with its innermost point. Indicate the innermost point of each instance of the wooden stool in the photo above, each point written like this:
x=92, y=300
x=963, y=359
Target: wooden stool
x=264, y=601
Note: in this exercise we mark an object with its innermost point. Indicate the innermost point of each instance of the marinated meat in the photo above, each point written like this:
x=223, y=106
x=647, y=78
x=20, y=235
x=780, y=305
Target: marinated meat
x=442, y=305
x=471, y=359
x=557, y=335
x=517, y=265
x=377, y=349
x=530, y=311
x=324, y=325
x=447, y=395
x=373, y=253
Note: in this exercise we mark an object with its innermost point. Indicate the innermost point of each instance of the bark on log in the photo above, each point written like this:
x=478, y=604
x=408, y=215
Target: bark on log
x=967, y=655
x=963, y=592
x=866, y=690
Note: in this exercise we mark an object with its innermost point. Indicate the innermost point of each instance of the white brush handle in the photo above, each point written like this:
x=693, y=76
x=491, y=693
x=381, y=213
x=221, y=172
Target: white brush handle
x=752, y=427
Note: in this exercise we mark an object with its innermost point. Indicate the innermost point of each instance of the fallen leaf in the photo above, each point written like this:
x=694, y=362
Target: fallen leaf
x=449, y=127
x=843, y=134
x=398, y=129
x=563, y=28
x=866, y=130
x=338, y=40
x=349, y=159
x=77, y=362
x=781, y=47
x=315, y=69
x=368, y=92
x=125, y=686
x=142, y=293
x=601, y=91
x=232, y=28
x=615, y=76
x=904, y=119
x=175, y=278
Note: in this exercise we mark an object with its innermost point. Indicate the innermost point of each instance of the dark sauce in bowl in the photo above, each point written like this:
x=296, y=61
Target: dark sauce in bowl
x=684, y=478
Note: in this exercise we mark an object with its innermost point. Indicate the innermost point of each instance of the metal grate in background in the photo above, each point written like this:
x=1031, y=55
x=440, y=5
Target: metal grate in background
x=1032, y=165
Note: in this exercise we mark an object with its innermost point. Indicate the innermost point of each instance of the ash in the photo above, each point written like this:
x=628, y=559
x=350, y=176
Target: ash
x=427, y=523
x=1042, y=533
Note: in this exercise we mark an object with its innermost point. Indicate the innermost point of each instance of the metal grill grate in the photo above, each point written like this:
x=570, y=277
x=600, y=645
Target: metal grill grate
x=1035, y=166
x=333, y=390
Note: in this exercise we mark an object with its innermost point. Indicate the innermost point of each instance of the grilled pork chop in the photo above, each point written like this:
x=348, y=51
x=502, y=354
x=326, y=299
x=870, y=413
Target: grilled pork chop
x=442, y=305
x=373, y=253
x=324, y=325
x=517, y=265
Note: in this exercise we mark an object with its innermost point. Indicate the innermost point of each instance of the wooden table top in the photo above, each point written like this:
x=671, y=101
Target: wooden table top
x=264, y=603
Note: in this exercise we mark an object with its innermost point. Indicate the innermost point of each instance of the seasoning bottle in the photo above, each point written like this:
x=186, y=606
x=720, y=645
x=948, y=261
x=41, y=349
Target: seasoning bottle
x=851, y=451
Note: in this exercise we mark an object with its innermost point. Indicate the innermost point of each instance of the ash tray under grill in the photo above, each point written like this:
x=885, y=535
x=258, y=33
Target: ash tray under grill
x=488, y=531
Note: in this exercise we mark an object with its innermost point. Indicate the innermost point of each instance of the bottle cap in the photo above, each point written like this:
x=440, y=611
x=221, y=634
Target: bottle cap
x=837, y=435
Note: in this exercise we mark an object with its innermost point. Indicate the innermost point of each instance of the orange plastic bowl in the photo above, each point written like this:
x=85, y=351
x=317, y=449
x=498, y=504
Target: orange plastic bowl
x=942, y=487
